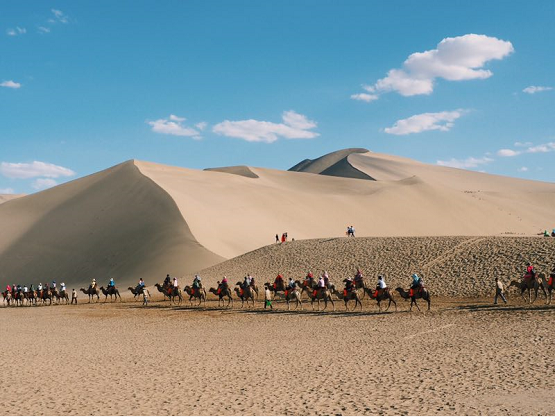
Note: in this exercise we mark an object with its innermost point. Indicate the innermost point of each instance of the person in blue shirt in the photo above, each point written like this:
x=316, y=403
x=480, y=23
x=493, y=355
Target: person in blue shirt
x=111, y=283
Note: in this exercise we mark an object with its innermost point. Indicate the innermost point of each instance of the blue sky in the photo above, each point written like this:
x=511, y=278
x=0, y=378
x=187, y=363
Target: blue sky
x=86, y=85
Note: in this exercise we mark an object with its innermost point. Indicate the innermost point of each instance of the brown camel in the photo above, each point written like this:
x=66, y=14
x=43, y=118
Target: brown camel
x=221, y=293
x=63, y=295
x=199, y=293
x=277, y=286
x=172, y=293
x=548, y=284
x=137, y=292
x=351, y=295
x=245, y=295
x=421, y=292
x=91, y=292
x=530, y=284
x=382, y=295
x=7, y=297
x=112, y=292
x=294, y=295
x=307, y=285
x=162, y=289
x=321, y=294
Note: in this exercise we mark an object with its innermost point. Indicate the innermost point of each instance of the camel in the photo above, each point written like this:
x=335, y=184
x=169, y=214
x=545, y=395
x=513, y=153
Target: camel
x=247, y=294
x=44, y=295
x=277, y=286
x=200, y=293
x=307, y=285
x=7, y=297
x=351, y=295
x=530, y=284
x=112, y=292
x=221, y=294
x=418, y=293
x=171, y=293
x=91, y=292
x=548, y=284
x=31, y=297
x=137, y=291
x=294, y=294
x=384, y=295
x=321, y=294
x=63, y=295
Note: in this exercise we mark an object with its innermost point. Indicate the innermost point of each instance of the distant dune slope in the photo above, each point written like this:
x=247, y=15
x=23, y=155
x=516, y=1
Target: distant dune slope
x=236, y=170
x=231, y=214
x=114, y=223
x=334, y=164
x=451, y=266
x=7, y=197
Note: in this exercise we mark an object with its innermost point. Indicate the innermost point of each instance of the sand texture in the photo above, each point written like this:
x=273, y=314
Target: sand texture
x=460, y=358
x=451, y=266
x=7, y=197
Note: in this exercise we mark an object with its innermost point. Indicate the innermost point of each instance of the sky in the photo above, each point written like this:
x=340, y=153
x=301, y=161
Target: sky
x=87, y=85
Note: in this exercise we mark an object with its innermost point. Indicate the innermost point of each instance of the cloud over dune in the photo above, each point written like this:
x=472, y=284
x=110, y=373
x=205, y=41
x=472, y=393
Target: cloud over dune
x=294, y=126
x=33, y=170
x=442, y=121
x=455, y=59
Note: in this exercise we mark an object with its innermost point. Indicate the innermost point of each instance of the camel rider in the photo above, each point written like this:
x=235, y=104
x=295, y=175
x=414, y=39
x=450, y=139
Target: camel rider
x=8, y=288
x=32, y=288
x=249, y=276
x=326, y=279
x=292, y=284
x=322, y=282
x=39, y=288
x=349, y=286
x=93, y=284
x=247, y=282
x=358, y=275
x=174, y=282
x=25, y=289
x=380, y=288
x=224, y=284
x=53, y=285
x=278, y=281
x=111, y=283
x=167, y=281
x=141, y=283
x=530, y=272
x=416, y=284
x=62, y=287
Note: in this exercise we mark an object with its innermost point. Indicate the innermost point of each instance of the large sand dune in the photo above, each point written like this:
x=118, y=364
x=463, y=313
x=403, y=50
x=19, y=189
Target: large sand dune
x=8, y=197
x=145, y=219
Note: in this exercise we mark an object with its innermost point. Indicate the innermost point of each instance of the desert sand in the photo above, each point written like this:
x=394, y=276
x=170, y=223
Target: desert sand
x=140, y=219
x=463, y=357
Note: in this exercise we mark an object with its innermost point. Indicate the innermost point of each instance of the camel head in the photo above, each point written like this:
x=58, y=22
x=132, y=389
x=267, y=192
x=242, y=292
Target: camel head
x=239, y=283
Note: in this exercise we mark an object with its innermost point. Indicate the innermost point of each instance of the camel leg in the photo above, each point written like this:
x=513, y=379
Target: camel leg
x=332, y=303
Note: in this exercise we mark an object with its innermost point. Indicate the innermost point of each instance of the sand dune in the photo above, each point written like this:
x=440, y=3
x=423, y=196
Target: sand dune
x=8, y=197
x=114, y=223
x=335, y=164
x=145, y=219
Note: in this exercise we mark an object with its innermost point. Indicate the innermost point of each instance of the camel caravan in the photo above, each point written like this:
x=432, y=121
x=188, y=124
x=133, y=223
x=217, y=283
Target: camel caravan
x=320, y=292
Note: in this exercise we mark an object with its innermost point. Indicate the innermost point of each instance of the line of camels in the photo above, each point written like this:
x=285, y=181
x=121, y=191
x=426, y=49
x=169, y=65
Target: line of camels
x=250, y=294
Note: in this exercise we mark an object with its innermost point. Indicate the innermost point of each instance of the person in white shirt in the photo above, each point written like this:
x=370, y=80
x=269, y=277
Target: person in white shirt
x=175, y=282
x=381, y=283
x=499, y=291
x=62, y=286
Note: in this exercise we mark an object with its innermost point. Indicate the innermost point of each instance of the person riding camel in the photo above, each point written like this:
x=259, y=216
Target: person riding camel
x=326, y=279
x=167, y=281
x=93, y=284
x=381, y=287
x=358, y=276
x=196, y=284
x=416, y=284
x=278, y=281
x=530, y=272
x=8, y=288
x=246, y=282
x=111, y=283
x=175, y=282
x=252, y=280
x=223, y=285
x=349, y=286
x=62, y=287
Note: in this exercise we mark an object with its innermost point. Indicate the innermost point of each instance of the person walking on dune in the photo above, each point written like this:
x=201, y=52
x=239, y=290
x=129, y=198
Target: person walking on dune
x=277, y=238
x=499, y=291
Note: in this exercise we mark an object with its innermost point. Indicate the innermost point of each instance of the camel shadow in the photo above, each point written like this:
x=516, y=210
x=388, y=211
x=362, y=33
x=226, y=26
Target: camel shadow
x=503, y=307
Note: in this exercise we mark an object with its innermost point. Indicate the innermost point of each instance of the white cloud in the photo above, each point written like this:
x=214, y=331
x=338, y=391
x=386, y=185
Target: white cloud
x=43, y=30
x=523, y=144
x=536, y=89
x=455, y=59
x=173, y=125
x=43, y=183
x=201, y=125
x=16, y=32
x=33, y=170
x=10, y=84
x=59, y=16
x=543, y=148
x=294, y=126
x=442, y=121
x=6, y=191
x=364, y=97
x=470, y=162
x=507, y=152
x=522, y=169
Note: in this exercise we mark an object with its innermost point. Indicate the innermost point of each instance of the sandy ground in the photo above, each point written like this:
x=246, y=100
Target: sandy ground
x=465, y=356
